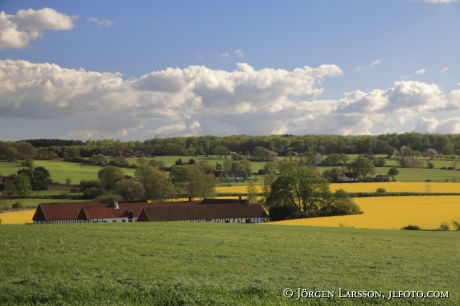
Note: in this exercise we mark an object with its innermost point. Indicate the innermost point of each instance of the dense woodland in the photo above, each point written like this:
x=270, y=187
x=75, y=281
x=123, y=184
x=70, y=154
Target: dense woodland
x=282, y=145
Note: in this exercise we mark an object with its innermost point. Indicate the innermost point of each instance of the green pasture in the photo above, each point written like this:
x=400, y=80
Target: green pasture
x=31, y=203
x=220, y=264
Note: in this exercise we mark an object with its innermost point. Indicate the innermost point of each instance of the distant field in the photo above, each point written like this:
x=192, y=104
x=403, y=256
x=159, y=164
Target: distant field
x=392, y=213
x=220, y=264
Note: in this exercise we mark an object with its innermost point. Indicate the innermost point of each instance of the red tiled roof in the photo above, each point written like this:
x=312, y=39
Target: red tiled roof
x=202, y=212
x=70, y=211
x=108, y=212
x=59, y=211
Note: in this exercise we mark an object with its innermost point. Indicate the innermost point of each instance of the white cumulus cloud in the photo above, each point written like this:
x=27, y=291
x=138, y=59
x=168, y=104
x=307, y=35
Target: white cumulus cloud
x=225, y=54
x=444, y=69
x=376, y=62
x=421, y=71
x=239, y=53
x=103, y=22
x=16, y=31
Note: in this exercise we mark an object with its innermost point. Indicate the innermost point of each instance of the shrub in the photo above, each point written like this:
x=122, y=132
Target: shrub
x=91, y=193
x=17, y=205
x=381, y=190
x=430, y=165
x=456, y=224
x=261, y=172
x=444, y=168
x=450, y=168
x=85, y=184
x=277, y=213
x=444, y=226
x=109, y=198
x=411, y=228
x=68, y=181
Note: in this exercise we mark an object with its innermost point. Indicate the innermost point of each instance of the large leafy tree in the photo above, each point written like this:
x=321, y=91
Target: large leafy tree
x=156, y=184
x=108, y=176
x=39, y=177
x=129, y=189
x=301, y=187
x=22, y=185
x=363, y=167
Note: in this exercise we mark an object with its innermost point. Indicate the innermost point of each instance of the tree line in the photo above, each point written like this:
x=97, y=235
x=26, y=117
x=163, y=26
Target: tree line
x=241, y=144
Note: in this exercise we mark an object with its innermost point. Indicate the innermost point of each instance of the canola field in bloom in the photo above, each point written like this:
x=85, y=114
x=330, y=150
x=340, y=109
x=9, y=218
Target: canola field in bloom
x=428, y=212
x=397, y=187
x=369, y=187
x=17, y=217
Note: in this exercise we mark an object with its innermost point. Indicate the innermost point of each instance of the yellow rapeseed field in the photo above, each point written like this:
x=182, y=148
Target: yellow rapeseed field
x=370, y=187
x=397, y=187
x=17, y=217
x=428, y=212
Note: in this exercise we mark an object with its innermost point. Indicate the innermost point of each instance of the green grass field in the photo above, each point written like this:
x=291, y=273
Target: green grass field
x=220, y=264
x=61, y=170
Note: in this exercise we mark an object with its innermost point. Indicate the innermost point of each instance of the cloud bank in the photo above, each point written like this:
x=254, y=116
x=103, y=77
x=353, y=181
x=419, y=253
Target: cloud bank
x=177, y=101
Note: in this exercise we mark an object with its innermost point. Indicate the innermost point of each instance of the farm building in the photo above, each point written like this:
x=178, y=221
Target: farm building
x=93, y=212
x=381, y=178
x=349, y=176
x=219, y=213
x=229, y=175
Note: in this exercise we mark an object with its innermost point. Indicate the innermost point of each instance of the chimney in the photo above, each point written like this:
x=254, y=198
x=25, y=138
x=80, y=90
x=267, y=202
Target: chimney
x=115, y=205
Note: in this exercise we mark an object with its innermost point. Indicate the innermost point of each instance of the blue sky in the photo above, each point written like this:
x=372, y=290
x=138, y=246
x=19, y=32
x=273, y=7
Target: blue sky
x=137, y=69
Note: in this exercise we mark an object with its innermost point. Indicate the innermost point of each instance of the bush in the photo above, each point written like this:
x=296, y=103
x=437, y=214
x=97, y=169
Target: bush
x=68, y=181
x=450, y=168
x=456, y=224
x=17, y=205
x=430, y=165
x=277, y=213
x=444, y=168
x=381, y=190
x=109, y=198
x=444, y=226
x=261, y=172
x=91, y=193
x=411, y=228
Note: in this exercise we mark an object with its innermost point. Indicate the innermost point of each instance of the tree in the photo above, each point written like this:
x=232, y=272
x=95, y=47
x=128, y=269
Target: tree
x=341, y=204
x=159, y=164
x=447, y=151
x=269, y=179
x=270, y=167
x=199, y=184
x=98, y=159
x=332, y=175
x=129, y=189
x=393, y=172
x=220, y=150
x=363, y=167
x=41, y=179
x=205, y=166
x=157, y=186
x=302, y=188
x=22, y=185
x=252, y=193
x=72, y=153
x=108, y=176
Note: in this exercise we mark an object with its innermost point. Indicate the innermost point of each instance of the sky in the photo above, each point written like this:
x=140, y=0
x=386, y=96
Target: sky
x=139, y=69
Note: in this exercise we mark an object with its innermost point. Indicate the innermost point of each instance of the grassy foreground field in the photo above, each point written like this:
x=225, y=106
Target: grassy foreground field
x=220, y=264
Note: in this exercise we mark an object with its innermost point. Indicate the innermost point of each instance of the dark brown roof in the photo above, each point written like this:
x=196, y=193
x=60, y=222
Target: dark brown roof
x=108, y=212
x=201, y=212
x=59, y=211
x=224, y=201
x=93, y=210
